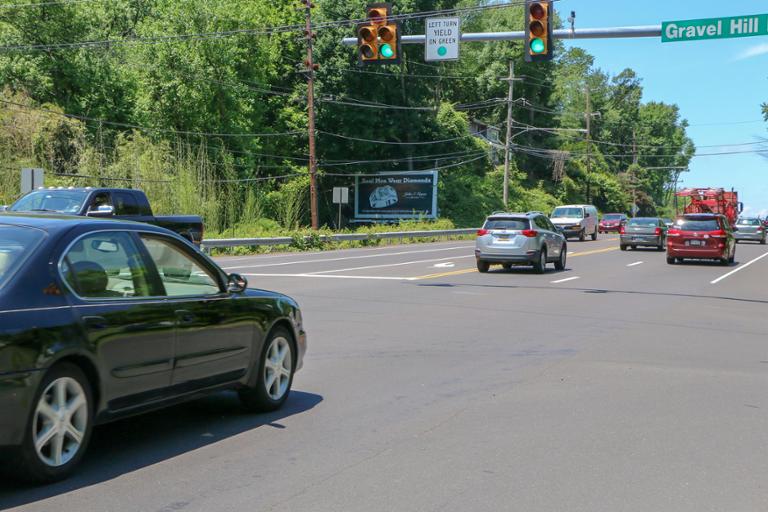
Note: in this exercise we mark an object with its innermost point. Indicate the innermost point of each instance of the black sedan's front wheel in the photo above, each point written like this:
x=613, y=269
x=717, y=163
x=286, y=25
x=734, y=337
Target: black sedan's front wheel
x=59, y=425
x=272, y=382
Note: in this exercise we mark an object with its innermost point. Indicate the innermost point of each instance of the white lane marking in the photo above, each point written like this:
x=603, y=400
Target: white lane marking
x=740, y=267
x=344, y=258
x=385, y=265
x=635, y=264
x=380, y=278
x=447, y=264
x=565, y=280
x=571, y=252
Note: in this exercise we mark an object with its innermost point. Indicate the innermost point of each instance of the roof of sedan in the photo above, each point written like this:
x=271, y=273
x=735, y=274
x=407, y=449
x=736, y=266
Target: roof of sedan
x=53, y=222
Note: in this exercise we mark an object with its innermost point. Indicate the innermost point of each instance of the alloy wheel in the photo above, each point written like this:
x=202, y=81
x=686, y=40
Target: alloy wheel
x=60, y=422
x=277, y=368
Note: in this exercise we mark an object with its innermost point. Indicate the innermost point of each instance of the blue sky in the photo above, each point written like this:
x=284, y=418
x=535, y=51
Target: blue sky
x=713, y=82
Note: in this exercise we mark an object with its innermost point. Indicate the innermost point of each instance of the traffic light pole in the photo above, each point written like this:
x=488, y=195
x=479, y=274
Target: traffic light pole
x=311, y=118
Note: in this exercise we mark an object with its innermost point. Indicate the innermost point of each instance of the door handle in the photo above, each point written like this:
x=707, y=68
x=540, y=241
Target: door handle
x=185, y=317
x=95, y=322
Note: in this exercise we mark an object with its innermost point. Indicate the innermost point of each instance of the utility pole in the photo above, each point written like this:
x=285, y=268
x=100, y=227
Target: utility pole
x=508, y=143
x=589, y=144
x=310, y=69
x=632, y=172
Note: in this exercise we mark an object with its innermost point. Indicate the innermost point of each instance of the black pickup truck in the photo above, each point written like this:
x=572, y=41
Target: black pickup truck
x=118, y=203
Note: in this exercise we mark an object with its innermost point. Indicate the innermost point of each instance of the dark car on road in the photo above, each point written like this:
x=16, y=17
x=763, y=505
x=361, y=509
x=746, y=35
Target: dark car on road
x=102, y=319
x=116, y=203
x=701, y=236
x=611, y=222
x=643, y=232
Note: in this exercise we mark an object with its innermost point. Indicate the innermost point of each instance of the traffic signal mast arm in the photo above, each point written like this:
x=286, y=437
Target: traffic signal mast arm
x=584, y=33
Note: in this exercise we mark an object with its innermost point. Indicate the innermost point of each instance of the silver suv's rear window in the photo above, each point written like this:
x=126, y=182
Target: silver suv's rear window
x=509, y=224
x=748, y=222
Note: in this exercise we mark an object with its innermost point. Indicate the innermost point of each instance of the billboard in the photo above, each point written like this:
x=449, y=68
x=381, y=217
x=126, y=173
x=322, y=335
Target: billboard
x=396, y=195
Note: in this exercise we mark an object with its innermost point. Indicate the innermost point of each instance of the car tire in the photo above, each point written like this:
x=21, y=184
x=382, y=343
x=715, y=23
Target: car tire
x=661, y=246
x=271, y=384
x=582, y=236
x=623, y=247
x=540, y=266
x=66, y=387
x=594, y=236
x=483, y=266
x=506, y=266
x=762, y=242
x=634, y=247
x=560, y=263
x=671, y=261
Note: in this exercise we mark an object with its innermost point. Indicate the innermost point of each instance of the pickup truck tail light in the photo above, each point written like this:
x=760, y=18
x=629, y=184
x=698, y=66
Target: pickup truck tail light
x=530, y=233
x=657, y=232
x=622, y=231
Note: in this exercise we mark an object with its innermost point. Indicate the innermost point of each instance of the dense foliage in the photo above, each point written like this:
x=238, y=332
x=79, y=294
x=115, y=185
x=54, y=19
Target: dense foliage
x=188, y=119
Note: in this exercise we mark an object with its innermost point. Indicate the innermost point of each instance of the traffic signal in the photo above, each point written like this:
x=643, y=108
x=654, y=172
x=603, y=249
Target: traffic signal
x=539, y=16
x=378, y=38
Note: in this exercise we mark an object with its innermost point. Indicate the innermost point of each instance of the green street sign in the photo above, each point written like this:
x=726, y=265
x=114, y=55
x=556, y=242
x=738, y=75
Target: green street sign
x=714, y=28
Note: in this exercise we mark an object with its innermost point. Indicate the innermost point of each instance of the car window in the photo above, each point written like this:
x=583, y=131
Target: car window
x=15, y=244
x=65, y=201
x=748, y=222
x=125, y=203
x=179, y=272
x=697, y=225
x=568, y=212
x=512, y=224
x=643, y=222
x=612, y=217
x=541, y=223
x=106, y=265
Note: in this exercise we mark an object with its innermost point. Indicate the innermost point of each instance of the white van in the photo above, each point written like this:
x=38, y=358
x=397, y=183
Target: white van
x=576, y=220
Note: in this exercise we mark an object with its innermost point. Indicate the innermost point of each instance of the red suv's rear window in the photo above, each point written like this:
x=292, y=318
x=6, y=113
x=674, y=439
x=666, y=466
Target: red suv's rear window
x=698, y=225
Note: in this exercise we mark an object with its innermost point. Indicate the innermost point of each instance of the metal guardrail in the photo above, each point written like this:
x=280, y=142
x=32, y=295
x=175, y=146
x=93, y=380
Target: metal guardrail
x=344, y=237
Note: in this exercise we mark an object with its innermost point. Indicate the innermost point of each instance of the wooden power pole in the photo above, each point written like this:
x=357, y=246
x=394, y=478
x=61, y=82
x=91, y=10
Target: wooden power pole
x=508, y=143
x=310, y=69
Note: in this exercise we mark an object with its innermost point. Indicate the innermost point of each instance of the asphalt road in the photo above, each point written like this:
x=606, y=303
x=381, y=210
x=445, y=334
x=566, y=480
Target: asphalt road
x=622, y=383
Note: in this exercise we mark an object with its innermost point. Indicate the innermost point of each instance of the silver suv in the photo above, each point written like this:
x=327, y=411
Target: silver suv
x=520, y=239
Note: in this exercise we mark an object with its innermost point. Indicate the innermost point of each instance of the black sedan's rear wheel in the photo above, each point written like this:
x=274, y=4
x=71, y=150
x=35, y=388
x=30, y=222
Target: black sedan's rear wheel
x=271, y=384
x=59, y=426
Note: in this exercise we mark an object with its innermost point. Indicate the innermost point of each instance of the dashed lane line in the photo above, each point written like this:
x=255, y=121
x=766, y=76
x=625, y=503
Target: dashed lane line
x=387, y=265
x=739, y=268
x=565, y=280
x=379, y=278
x=635, y=264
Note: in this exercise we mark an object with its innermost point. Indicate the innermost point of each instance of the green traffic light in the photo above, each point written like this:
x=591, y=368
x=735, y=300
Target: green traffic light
x=537, y=45
x=386, y=51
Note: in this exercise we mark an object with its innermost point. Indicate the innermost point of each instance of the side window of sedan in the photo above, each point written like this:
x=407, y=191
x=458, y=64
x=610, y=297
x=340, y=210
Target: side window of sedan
x=105, y=265
x=179, y=272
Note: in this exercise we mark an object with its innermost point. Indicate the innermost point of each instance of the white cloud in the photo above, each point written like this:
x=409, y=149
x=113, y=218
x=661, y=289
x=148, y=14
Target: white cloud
x=755, y=51
x=754, y=212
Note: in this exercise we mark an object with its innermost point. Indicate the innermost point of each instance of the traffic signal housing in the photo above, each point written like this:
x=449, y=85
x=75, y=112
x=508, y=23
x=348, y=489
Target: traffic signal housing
x=539, y=16
x=378, y=38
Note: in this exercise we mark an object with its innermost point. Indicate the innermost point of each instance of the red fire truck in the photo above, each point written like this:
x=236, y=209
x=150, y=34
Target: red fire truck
x=710, y=200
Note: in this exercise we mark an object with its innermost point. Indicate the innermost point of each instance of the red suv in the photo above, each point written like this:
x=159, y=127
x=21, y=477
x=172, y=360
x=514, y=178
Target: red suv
x=611, y=222
x=701, y=236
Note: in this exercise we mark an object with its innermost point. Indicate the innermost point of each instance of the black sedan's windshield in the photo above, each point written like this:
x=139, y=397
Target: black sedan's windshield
x=15, y=243
x=62, y=201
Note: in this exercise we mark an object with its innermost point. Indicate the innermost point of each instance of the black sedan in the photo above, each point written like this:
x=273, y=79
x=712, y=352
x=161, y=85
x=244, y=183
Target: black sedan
x=102, y=319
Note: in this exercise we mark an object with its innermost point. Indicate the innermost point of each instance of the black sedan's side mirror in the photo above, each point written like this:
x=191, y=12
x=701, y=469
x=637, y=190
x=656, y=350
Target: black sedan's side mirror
x=236, y=283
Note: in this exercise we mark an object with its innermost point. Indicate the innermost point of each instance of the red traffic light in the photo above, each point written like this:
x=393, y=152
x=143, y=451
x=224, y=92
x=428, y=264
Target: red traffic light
x=537, y=11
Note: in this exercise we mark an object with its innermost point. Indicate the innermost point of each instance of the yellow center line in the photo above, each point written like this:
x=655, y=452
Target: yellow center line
x=470, y=270
x=596, y=251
